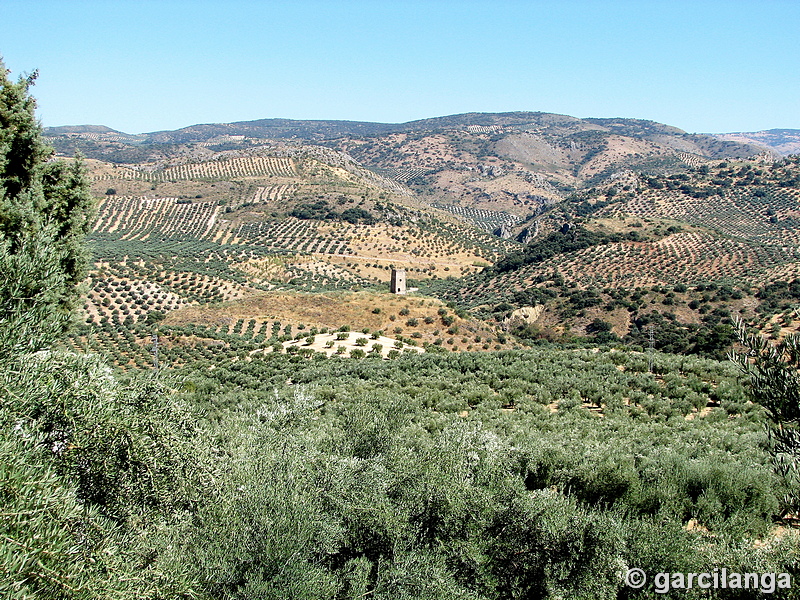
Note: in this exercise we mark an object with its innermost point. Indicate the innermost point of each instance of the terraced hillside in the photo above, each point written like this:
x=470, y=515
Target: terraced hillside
x=232, y=229
x=618, y=258
x=211, y=215
x=513, y=162
x=746, y=219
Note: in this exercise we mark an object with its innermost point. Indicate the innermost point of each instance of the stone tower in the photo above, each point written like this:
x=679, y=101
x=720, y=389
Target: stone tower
x=398, y=284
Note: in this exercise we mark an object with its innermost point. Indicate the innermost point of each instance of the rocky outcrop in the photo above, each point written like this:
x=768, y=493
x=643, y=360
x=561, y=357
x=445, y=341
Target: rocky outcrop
x=527, y=315
x=505, y=231
x=525, y=236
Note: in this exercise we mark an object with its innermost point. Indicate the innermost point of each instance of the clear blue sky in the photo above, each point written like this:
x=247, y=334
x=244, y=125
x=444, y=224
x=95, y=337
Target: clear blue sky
x=703, y=66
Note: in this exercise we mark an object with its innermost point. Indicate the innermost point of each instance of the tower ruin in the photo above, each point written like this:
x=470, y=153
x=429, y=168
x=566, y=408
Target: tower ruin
x=398, y=283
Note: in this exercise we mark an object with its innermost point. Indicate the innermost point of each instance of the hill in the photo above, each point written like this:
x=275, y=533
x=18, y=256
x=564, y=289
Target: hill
x=224, y=213
x=686, y=253
x=240, y=242
x=514, y=162
x=783, y=141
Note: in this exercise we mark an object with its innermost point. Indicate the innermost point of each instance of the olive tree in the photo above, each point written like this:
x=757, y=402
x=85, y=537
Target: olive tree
x=773, y=381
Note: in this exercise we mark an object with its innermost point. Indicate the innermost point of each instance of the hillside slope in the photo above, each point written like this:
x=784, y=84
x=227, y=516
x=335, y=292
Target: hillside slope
x=688, y=251
x=783, y=141
x=514, y=162
x=215, y=214
x=240, y=231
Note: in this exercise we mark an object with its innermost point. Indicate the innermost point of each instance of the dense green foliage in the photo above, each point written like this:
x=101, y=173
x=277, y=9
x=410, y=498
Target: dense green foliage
x=45, y=211
x=364, y=471
x=323, y=211
x=774, y=382
x=569, y=239
x=93, y=470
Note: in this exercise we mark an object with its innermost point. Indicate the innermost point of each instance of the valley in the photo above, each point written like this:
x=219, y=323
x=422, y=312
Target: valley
x=220, y=219
x=552, y=398
x=547, y=351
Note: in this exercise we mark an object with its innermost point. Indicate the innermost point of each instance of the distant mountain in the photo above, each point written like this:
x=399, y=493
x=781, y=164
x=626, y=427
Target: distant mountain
x=319, y=130
x=272, y=129
x=80, y=130
x=782, y=141
x=78, y=134
x=516, y=162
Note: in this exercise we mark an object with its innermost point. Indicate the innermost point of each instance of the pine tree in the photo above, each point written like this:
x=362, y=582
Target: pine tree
x=89, y=471
x=46, y=209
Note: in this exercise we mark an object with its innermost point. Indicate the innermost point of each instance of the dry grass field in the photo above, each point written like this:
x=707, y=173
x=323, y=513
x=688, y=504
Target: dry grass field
x=415, y=318
x=345, y=343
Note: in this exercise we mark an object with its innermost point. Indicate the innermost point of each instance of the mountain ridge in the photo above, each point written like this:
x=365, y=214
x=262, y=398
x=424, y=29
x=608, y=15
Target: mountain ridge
x=329, y=128
x=515, y=161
